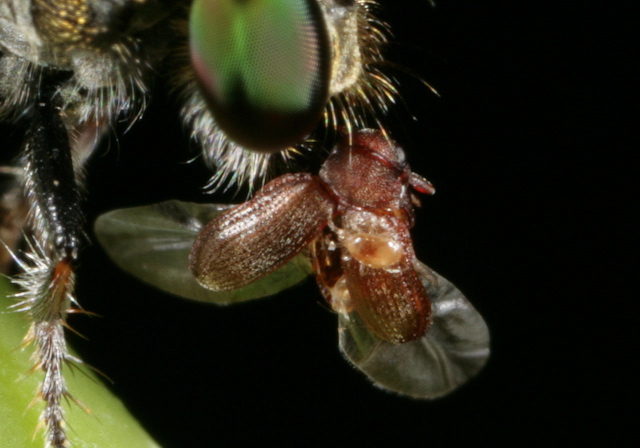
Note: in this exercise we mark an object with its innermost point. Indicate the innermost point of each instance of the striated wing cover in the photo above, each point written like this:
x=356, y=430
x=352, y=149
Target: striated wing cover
x=255, y=238
x=454, y=349
x=153, y=244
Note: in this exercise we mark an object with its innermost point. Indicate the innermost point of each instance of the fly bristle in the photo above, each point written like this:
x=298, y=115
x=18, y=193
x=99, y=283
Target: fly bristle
x=46, y=294
x=233, y=165
x=373, y=92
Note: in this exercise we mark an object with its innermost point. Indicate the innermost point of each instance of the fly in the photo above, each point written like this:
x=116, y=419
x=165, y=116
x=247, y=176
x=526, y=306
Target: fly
x=71, y=71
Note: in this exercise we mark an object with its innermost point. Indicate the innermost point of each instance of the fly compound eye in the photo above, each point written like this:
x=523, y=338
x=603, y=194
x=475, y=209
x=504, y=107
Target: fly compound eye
x=263, y=67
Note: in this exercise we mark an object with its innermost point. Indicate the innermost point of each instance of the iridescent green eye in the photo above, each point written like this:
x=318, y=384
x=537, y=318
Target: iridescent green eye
x=263, y=66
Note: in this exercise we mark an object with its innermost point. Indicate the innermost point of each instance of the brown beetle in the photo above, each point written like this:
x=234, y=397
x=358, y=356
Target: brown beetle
x=355, y=216
x=406, y=327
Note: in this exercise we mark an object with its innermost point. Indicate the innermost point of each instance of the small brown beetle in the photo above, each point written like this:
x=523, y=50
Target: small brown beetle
x=406, y=327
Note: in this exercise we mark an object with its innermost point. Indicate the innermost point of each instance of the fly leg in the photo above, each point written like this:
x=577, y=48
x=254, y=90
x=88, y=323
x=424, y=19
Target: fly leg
x=53, y=194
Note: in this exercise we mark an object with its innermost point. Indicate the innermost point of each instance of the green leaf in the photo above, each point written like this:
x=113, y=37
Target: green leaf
x=108, y=423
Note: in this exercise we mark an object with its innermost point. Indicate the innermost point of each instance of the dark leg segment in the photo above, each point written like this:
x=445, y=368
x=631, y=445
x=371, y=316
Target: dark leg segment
x=54, y=200
x=51, y=185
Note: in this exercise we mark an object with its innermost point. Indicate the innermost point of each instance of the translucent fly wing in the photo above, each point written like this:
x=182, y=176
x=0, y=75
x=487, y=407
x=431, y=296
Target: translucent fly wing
x=454, y=349
x=153, y=244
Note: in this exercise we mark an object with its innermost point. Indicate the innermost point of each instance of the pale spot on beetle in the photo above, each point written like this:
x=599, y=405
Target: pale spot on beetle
x=377, y=251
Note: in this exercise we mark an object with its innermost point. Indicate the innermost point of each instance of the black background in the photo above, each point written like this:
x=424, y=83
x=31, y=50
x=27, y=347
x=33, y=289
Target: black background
x=529, y=146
